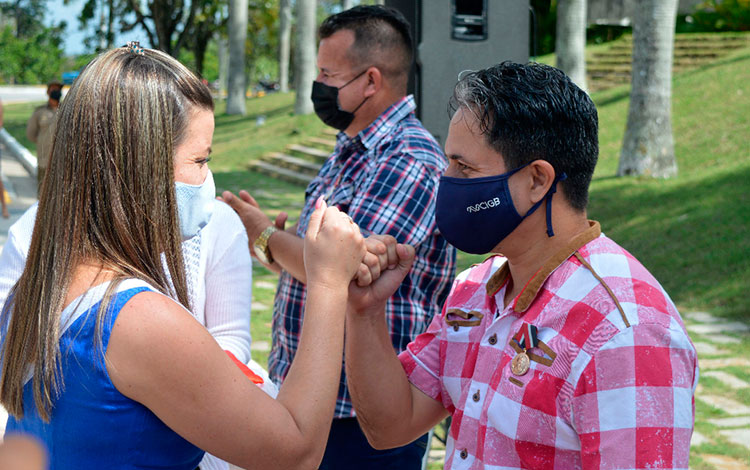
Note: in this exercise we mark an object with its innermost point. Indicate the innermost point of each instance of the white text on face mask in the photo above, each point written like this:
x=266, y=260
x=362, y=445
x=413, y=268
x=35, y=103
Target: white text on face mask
x=484, y=205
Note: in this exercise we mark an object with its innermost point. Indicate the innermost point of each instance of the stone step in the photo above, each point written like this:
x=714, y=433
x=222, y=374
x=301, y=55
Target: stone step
x=708, y=349
x=292, y=163
x=723, y=462
x=611, y=75
x=740, y=437
x=702, y=317
x=625, y=69
x=681, y=59
x=699, y=46
x=611, y=67
x=595, y=85
x=615, y=69
x=330, y=132
x=738, y=422
x=726, y=378
x=723, y=363
x=281, y=173
x=725, y=327
x=324, y=143
x=728, y=36
x=309, y=153
x=727, y=405
x=718, y=39
x=626, y=60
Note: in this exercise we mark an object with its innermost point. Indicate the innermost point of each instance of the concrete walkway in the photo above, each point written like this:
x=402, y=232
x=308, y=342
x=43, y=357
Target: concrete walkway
x=21, y=188
x=723, y=389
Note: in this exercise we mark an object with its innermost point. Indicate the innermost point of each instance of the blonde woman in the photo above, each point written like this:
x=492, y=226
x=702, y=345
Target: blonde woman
x=98, y=361
x=218, y=270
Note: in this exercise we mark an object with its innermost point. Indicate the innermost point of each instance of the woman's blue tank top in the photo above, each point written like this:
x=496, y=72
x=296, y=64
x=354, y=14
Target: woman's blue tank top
x=92, y=425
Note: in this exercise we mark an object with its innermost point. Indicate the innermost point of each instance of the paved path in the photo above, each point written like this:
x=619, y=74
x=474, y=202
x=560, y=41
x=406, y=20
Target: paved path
x=723, y=391
x=21, y=188
x=24, y=93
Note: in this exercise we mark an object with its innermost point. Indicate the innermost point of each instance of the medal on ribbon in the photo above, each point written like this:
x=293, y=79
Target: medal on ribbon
x=526, y=339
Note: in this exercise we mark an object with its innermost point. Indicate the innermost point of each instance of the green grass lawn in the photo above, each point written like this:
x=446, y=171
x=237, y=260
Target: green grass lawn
x=689, y=231
x=15, y=117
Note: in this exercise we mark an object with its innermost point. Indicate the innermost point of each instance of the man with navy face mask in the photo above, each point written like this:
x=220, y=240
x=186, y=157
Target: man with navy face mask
x=564, y=351
x=384, y=173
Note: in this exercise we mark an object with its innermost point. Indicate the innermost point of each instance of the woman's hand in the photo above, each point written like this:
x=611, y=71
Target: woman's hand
x=371, y=299
x=334, y=247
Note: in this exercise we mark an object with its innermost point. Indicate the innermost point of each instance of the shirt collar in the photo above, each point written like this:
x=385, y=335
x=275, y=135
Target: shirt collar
x=531, y=289
x=384, y=124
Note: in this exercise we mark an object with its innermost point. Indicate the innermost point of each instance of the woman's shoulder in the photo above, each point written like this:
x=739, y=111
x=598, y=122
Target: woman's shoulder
x=224, y=222
x=148, y=317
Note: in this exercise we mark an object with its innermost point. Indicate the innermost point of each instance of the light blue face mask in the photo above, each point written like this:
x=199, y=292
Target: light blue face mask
x=195, y=204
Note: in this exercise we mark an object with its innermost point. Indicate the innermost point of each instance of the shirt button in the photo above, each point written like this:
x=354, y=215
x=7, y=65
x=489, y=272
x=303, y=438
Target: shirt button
x=492, y=340
x=455, y=327
x=476, y=396
x=464, y=454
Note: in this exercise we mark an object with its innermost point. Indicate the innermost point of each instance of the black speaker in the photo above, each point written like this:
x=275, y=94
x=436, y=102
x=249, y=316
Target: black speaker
x=456, y=35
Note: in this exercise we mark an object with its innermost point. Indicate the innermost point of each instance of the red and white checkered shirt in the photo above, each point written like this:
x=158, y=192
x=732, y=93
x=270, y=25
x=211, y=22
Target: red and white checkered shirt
x=610, y=384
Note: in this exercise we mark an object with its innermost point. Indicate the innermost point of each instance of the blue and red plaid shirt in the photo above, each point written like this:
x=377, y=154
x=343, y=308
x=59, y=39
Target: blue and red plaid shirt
x=386, y=178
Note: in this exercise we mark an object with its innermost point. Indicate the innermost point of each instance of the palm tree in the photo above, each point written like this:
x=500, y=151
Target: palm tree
x=648, y=146
x=304, y=64
x=570, y=43
x=285, y=39
x=237, y=38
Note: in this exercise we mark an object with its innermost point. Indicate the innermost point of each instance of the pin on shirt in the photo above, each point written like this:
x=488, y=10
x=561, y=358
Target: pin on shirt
x=526, y=337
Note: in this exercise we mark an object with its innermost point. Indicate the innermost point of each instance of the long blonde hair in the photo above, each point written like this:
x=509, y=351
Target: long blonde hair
x=108, y=198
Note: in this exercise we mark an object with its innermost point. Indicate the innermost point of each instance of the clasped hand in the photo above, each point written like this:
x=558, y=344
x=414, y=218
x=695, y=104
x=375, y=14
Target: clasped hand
x=336, y=252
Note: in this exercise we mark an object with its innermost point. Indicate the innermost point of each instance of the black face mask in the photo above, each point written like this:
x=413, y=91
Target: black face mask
x=325, y=100
x=55, y=95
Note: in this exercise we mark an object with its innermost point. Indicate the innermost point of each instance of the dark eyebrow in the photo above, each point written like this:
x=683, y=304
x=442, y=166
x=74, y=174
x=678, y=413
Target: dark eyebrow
x=456, y=157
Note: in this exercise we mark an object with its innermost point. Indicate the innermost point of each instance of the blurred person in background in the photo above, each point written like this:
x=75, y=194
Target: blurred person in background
x=41, y=125
x=3, y=202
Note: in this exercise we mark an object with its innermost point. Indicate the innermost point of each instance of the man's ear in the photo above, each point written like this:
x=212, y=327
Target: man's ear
x=374, y=81
x=542, y=174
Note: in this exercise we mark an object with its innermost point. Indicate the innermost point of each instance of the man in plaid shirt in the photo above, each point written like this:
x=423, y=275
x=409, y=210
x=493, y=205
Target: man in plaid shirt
x=384, y=173
x=565, y=352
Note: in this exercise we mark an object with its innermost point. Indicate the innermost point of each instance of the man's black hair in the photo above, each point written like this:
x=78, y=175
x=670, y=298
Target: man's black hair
x=535, y=112
x=381, y=34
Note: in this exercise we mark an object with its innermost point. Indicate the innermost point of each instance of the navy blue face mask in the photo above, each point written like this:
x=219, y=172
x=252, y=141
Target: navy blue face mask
x=475, y=214
x=325, y=100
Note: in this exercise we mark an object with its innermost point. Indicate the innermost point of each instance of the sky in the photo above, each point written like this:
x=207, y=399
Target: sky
x=74, y=36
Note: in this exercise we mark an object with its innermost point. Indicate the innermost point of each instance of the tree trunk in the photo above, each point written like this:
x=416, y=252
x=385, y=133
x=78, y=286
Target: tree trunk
x=223, y=64
x=648, y=146
x=304, y=64
x=570, y=43
x=102, y=28
x=200, y=44
x=110, y=21
x=346, y=4
x=285, y=45
x=237, y=38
